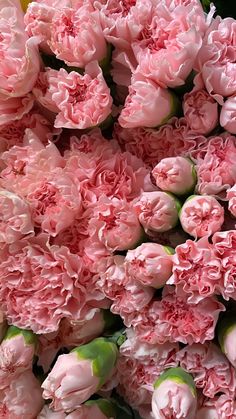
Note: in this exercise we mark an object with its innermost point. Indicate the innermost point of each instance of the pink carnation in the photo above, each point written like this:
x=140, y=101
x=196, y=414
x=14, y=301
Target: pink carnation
x=150, y=264
x=170, y=140
x=14, y=108
x=147, y=104
x=42, y=92
x=126, y=295
x=197, y=270
x=83, y=101
x=167, y=47
x=77, y=37
x=46, y=285
x=140, y=364
x=174, y=319
x=54, y=202
x=115, y=224
x=201, y=216
x=157, y=211
x=200, y=111
x=225, y=245
x=175, y=174
x=216, y=168
x=13, y=133
x=228, y=115
x=19, y=55
x=231, y=197
x=211, y=370
x=22, y=398
x=216, y=59
x=15, y=218
x=226, y=407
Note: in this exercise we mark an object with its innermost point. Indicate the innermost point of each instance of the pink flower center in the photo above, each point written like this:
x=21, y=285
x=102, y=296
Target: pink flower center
x=154, y=41
x=78, y=94
x=109, y=220
x=123, y=7
x=45, y=197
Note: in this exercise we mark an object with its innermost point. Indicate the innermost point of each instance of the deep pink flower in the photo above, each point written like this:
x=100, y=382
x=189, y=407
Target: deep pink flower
x=83, y=101
x=197, y=270
x=174, y=319
x=45, y=288
x=201, y=216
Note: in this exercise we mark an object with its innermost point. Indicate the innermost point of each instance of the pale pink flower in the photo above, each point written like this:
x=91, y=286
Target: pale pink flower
x=152, y=145
x=22, y=398
x=211, y=370
x=15, y=218
x=228, y=115
x=123, y=20
x=140, y=364
x=14, y=108
x=127, y=296
x=38, y=19
x=123, y=66
x=216, y=59
x=225, y=245
x=147, y=104
x=225, y=407
x=70, y=382
x=231, y=197
x=216, y=170
x=54, y=202
x=175, y=174
x=174, y=319
x=25, y=165
x=75, y=333
x=20, y=60
x=16, y=356
x=200, y=111
x=157, y=211
x=42, y=92
x=115, y=224
x=46, y=285
x=201, y=216
x=83, y=101
x=174, y=398
x=13, y=133
x=197, y=270
x=77, y=37
x=150, y=264
x=167, y=47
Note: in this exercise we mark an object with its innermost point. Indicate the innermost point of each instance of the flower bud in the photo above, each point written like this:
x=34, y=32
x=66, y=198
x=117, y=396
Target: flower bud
x=157, y=211
x=226, y=331
x=174, y=395
x=201, y=216
x=176, y=175
x=150, y=264
x=16, y=354
x=76, y=376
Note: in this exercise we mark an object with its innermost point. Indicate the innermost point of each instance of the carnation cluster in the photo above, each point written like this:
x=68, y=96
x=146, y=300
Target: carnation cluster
x=117, y=210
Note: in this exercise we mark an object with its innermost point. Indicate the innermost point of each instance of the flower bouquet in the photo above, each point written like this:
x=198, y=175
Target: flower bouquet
x=117, y=209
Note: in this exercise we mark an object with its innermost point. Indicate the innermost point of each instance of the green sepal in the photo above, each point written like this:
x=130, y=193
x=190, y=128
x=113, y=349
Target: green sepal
x=178, y=204
x=175, y=108
x=179, y=376
x=29, y=337
x=224, y=327
x=169, y=250
x=103, y=355
x=106, y=407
